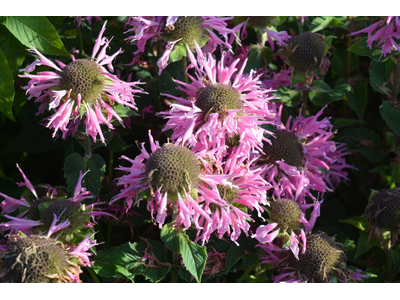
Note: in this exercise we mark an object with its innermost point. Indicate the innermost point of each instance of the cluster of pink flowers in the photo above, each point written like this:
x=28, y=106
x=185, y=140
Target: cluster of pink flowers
x=230, y=153
x=386, y=35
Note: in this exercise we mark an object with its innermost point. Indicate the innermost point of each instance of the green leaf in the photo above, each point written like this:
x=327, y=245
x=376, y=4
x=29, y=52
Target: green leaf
x=358, y=222
x=364, y=141
x=110, y=270
x=361, y=48
x=391, y=115
x=320, y=23
x=290, y=97
x=6, y=88
x=395, y=174
x=380, y=76
x=363, y=245
x=13, y=50
x=341, y=122
x=322, y=94
x=124, y=111
x=258, y=57
x=244, y=251
x=92, y=180
x=358, y=98
x=194, y=256
x=396, y=257
x=38, y=32
x=117, y=144
x=178, y=52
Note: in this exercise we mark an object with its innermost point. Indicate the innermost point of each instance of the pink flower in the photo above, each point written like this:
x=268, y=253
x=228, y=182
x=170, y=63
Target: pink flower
x=300, y=155
x=182, y=185
x=384, y=35
x=224, y=107
x=82, y=89
x=181, y=31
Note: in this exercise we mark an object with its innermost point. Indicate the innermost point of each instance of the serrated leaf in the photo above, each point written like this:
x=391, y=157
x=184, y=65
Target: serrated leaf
x=391, y=115
x=363, y=245
x=379, y=76
x=124, y=111
x=235, y=253
x=288, y=96
x=36, y=31
x=13, y=50
x=358, y=98
x=110, y=270
x=341, y=122
x=6, y=87
x=117, y=144
x=75, y=163
x=178, y=52
x=258, y=57
x=361, y=48
x=321, y=93
x=320, y=23
x=194, y=256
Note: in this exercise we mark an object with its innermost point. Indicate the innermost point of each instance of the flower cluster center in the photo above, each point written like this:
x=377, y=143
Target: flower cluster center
x=173, y=168
x=286, y=213
x=219, y=97
x=34, y=259
x=83, y=76
x=308, y=49
x=285, y=146
x=189, y=29
x=262, y=21
x=322, y=257
x=227, y=193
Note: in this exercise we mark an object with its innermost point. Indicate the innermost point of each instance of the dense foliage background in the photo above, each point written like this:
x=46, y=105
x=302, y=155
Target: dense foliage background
x=359, y=89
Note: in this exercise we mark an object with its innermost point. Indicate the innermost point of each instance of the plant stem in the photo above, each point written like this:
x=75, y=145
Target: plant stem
x=88, y=146
x=304, y=101
x=396, y=81
x=247, y=272
x=93, y=274
x=174, y=262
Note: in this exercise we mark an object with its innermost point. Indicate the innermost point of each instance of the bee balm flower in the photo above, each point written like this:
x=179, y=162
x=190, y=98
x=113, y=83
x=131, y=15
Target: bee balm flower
x=84, y=88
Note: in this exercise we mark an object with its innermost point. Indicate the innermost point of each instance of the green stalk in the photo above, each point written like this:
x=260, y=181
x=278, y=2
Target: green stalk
x=247, y=272
x=174, y=262
x=93, y=274
x=396, y=81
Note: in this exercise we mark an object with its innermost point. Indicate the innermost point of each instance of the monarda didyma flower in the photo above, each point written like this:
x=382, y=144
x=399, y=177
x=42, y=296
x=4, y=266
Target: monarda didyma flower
x=224, y=107
x=179, y=181
x=181, y=32
x=44, y=210
x=84, y=88
x=299, y=156
x=41, y=259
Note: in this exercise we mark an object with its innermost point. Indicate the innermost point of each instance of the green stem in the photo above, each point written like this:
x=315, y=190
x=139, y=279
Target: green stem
x=93, y=274
x=88, y=147
x=396, y=81
x=304, y=101
x=388, y=266
x=247, y=272
x=174, y=262
x=184, y=66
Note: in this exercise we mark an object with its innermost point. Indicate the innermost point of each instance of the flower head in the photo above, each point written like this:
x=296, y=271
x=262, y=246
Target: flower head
x=37, y=258
x=181, y=32
x=84, y=88
x=299, y=155
x=46, y=211
x=181, y=184
x=383, y=212
x=225, y=107
x=323, y=260
x=386, y=36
